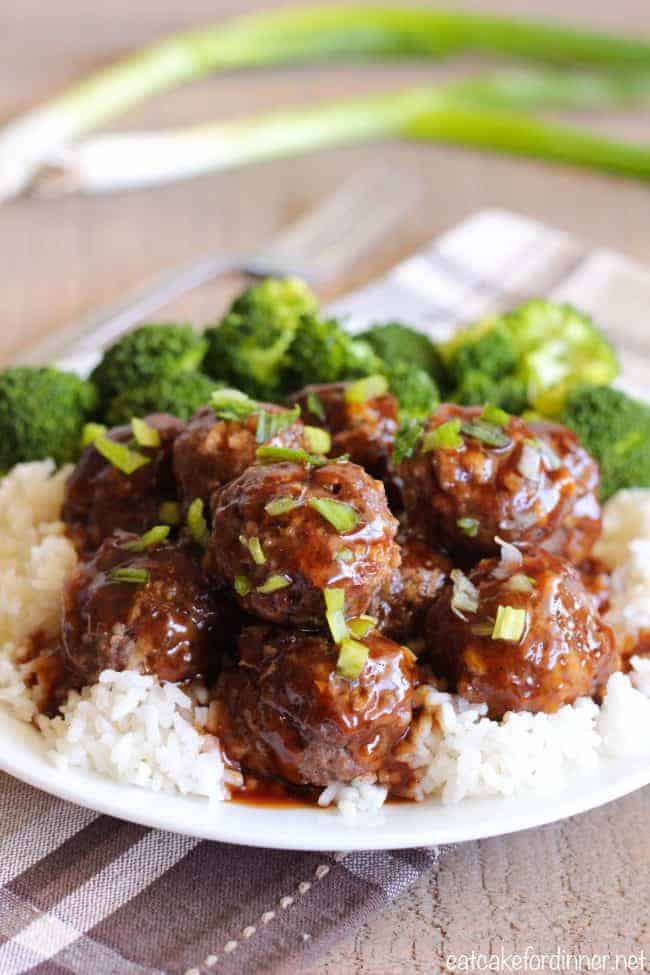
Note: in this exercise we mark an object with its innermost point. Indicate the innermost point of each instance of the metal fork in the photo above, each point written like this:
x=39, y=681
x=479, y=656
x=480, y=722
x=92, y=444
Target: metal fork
x=315, y=248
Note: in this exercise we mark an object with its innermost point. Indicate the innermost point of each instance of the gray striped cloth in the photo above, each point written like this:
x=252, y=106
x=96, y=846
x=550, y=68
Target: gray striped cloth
x=92, y=895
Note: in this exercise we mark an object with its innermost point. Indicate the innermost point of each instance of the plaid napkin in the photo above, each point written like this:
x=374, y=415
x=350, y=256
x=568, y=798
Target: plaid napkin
x=88, y=894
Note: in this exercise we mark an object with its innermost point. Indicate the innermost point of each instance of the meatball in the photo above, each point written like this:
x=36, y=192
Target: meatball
x=284, y=711
x=401, y=605
x=557, y=650
x=100, y=498
x=274, y=541
x=151, y=611
x=365, y=431
x=522, y=482
x=212, y=451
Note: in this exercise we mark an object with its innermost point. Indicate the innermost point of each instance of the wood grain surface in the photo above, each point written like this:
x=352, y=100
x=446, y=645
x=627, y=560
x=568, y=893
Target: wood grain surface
x=579, y=885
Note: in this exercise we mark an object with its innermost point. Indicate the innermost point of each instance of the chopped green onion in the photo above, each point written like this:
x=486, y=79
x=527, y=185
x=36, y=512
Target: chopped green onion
x=362, y=625
x=90, y=433
x=296, y=455
x=318, y=441
x=406, y=440
x=444, y=437
x=468, y=526
x=125, y=460
x=281, y=506
x=487, y=433
x=494, y=414
x=273, y=583
x=340, y=515
x=481, y=629
x=352, y=659
x=520, y=583
x=145, y=435
x=254, y=546
x=196, y=523
x=344, y=555
x=464, y=598
x=315, y=405
x=335, y=613
x=509, y=624
x=136, y=576
x=154, y=536
x=364, y=389
x=171, y=513
x=242, y=585
x=270, y=424
x=232, y=404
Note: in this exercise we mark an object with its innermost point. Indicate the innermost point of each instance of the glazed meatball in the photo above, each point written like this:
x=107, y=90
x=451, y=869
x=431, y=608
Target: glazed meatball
x=100, y=499
x=523, y=482
x=152, y=612
x=557, y=651
x=284, y=711
x=365, y=431
x=212, y=451
x=401, y=605
x=274, y=541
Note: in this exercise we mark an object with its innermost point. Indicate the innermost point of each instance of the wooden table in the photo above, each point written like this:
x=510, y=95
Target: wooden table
x=583, y=884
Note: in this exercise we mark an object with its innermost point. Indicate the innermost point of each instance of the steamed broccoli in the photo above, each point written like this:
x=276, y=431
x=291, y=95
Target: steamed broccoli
x=395, y=341
x=322, y=352
x=477, y=388
x=248, y=349
x=147, y=352
x=615, y=429
x=414, y=389
x=42, y=413
x=180, y=395
x=486, y=347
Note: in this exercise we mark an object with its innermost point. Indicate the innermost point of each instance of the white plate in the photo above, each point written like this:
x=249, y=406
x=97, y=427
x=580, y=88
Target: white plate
x=462, y=266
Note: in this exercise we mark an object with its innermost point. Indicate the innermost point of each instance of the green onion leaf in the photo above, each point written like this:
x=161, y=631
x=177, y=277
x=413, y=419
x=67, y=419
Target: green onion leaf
x=144, y=434
x=232, y=404
x=340, y=515
x=254, y=546
x=468, y=526
x=90, y=433
x=352, y=659
x=273, y=583
x=125, y=460
x=295, y=455
x=242, y=585
x=487, y=433
x=494, y=414
x=364, y=389
x=362, y=625
x=315, y=405
x=318, y=441
x=281, y=506
x=509, y=624
x=406, y=440
x=137, y=576
x=335, y=613
x=344, y=555
x=154, y=536
x=481, y=629
x=520, y=583
x=196, y=523
x=444, y=437
x=270, y=424
x=170, y=513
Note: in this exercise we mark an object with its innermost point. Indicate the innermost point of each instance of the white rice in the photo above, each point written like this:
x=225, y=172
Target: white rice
x=134, y=729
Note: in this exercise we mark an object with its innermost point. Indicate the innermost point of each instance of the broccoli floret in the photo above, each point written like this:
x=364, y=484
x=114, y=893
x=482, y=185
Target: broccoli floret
x=179, y=395
x=147, y=352
x=322, y=352
x=248, y=349
x=415, y=390
x=394, y=340
x=615, y=429
x=476, y=389
x=486, y=347
x=42, y=413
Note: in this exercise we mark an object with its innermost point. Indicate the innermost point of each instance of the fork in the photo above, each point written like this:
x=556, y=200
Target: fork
x=314, y=248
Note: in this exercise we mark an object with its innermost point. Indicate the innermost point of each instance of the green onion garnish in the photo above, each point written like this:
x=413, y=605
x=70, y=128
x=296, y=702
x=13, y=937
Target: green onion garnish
x=154, y=536
x=318, y=441
x=487, y=433
x=364, y=389
x=144, y=434
x=494, y=414
x=335, y=613
x=270, y=424
x=340, y=515
x=296, y=455
x=232, y=404
x=315, y=405
x=273, y=583
x=90, y=433
x=125, y=460
x=242, y=585
x=171, y=513
x=362, y=625
x=344, y=555
x=196, y=523
x=281, y=506
x=351, y=660
x=254, y=546
x=468, y=526
x=137, y=576
x=520, y=583
x=444, y=437
x=509, y=624
x=481, y=629
x=406, y=440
